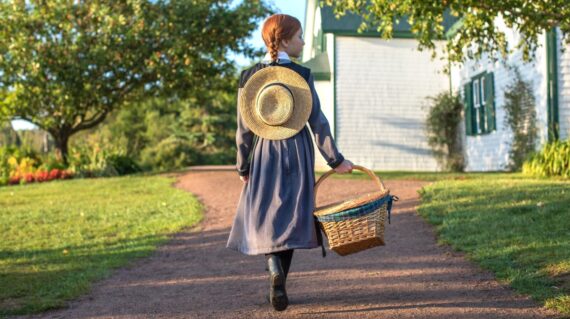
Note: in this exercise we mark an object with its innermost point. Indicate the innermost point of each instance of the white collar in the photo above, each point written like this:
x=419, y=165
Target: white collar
x=281, y=55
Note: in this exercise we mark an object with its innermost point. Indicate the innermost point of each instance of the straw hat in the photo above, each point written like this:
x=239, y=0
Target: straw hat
x=275, y=103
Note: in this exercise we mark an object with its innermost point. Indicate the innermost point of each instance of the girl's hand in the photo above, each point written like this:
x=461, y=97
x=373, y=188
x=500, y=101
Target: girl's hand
x=344, y=167
x=244, y=179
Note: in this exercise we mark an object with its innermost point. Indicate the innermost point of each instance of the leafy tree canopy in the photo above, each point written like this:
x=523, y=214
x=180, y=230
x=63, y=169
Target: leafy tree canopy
x=476, y=26
x=65, y=65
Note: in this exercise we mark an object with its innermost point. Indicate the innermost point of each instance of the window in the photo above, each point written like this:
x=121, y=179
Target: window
x=479, y=95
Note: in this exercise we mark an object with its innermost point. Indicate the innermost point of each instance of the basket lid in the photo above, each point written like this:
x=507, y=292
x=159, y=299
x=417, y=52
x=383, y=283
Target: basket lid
x=351, y=203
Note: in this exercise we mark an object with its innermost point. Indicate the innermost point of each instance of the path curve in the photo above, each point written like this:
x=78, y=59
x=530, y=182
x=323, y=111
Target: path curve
x=195, y=276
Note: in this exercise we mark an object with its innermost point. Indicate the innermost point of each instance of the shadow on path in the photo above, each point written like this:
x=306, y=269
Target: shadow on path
x=195, y=276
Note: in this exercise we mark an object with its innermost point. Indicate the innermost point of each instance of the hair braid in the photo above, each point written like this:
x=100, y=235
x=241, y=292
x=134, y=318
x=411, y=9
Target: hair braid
x=276, y=28
x=274, y=46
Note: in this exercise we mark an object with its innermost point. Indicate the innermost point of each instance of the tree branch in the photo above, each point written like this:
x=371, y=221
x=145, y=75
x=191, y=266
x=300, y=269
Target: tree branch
x=95, y=120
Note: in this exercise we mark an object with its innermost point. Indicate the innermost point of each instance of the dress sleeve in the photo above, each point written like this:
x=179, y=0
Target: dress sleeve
x=244, y=142
x=321, y=129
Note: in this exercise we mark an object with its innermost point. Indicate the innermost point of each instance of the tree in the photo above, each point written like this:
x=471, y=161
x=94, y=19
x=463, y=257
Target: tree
x=66, y=65
x=161, y=135
x=442, y=126
x=476, y=25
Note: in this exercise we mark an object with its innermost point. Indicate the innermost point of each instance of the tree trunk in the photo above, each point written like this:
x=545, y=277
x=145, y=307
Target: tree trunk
x=61, y=151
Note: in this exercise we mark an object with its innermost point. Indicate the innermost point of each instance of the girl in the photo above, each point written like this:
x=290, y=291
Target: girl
x=275, y=211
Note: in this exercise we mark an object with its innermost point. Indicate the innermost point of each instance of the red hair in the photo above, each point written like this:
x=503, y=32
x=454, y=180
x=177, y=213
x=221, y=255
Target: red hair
x=276, y=28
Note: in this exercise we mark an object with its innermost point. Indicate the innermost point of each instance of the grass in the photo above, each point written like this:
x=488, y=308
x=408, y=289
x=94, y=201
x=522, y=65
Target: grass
x=426, y=176
x=517, y=227
x=58, y=237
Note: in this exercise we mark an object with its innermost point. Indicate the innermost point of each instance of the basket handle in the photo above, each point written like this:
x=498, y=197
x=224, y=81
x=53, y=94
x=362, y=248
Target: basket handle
x=370, y=173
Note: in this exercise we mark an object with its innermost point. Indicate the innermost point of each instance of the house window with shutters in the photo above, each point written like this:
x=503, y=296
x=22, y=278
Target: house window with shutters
x=479, y=101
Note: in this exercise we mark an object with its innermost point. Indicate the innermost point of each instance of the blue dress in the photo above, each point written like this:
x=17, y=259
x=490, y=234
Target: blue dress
x=275, y=209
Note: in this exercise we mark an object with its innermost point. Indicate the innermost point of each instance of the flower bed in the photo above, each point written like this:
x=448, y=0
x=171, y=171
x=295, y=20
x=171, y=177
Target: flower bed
x=39, y=176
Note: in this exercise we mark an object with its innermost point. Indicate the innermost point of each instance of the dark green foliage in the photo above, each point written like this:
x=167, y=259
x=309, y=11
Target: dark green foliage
x=520, y=116
x=123, y=164
x=162, y=134
x=172, y=152
x=444, y=135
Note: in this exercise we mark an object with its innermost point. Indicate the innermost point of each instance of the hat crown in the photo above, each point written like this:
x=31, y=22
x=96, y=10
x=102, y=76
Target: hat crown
x=275, y=104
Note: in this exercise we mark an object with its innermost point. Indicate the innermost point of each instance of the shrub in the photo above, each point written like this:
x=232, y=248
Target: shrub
x=552, y=160
x=96, y=156
x=520, y=116
x=123, y=164
x=172, y=152
x=442, y=126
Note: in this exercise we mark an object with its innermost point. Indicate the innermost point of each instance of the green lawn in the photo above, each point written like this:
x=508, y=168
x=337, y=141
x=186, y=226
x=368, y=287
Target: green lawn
x=519, y=228
x=60, y=236
x=425, y=176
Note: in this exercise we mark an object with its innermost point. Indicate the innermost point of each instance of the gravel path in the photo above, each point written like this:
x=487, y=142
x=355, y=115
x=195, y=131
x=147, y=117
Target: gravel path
x=195, y=276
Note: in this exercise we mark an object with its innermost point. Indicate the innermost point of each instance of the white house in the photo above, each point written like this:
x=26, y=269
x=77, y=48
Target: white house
x=372, y=90
x=482, y=83
x=373, y=93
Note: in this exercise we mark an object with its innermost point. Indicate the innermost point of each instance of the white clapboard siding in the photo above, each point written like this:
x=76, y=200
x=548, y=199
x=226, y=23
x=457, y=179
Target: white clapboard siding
x=563, y=88
x=380, y=90
x=325, y=91
x=489, y=152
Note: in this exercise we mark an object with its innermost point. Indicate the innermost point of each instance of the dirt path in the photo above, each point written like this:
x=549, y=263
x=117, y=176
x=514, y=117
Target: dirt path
x=195, y=276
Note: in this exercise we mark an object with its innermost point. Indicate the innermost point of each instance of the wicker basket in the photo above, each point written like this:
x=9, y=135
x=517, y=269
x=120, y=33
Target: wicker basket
x=357, y=224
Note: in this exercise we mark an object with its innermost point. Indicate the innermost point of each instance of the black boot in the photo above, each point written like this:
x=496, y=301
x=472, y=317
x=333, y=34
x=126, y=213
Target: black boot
x=277, y=293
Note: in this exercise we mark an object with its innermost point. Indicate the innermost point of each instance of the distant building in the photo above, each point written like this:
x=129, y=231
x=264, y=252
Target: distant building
x=373, y=93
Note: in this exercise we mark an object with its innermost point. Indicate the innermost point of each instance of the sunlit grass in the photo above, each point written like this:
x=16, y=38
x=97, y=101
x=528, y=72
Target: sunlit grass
x=426, y=176
x=517, y=227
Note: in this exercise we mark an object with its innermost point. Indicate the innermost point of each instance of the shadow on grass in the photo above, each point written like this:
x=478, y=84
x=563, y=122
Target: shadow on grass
x=195, y=275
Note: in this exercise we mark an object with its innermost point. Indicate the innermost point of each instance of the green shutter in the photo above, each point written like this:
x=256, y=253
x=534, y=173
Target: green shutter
x=468, y=103
x=482, y=111
x=490, y=102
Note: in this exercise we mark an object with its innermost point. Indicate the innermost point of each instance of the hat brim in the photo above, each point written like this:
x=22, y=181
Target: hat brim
x=302, y=96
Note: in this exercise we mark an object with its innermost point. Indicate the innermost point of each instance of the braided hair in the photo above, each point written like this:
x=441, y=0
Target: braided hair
x=276, y=28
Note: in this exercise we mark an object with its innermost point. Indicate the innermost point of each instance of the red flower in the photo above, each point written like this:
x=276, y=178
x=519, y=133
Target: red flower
x=29, y=177
x=14, y=180
x=41, y=176
x=55, y=174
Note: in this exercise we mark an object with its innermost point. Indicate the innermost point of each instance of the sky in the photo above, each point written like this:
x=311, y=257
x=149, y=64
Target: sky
x=295, y=8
